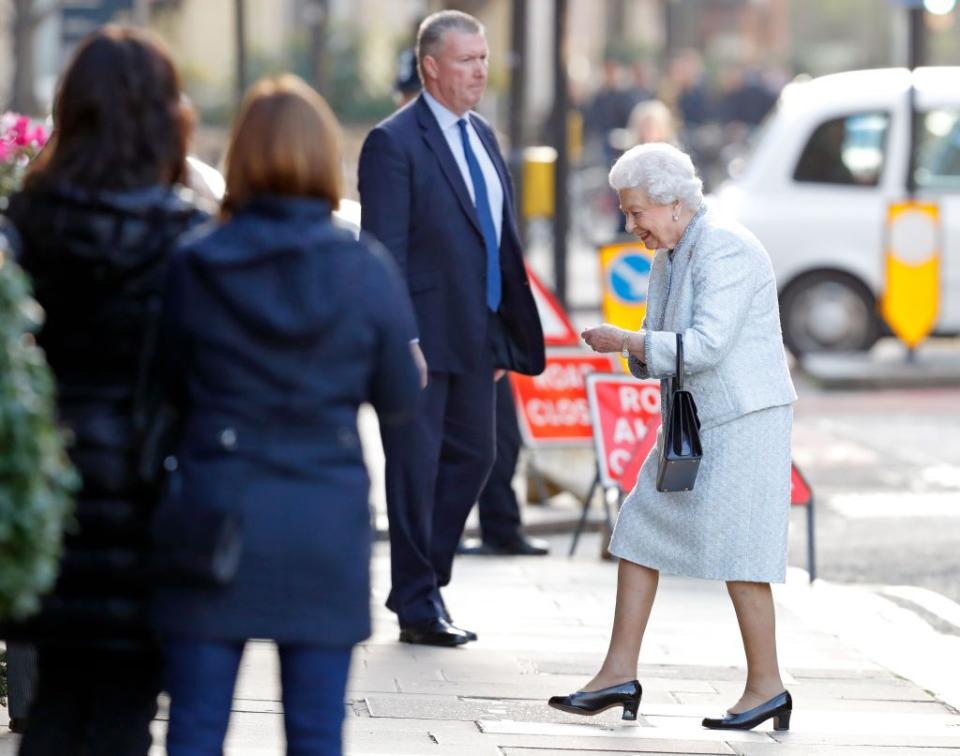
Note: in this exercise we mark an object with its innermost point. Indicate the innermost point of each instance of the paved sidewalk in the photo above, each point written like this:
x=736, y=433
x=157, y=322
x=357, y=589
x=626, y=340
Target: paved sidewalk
x=543, y=625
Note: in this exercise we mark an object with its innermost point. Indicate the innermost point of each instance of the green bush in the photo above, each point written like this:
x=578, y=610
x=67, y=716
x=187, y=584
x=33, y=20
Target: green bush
x=36, y=480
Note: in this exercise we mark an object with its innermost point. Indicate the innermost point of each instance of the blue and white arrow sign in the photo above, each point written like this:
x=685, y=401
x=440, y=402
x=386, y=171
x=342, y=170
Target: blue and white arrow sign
x=628, y=277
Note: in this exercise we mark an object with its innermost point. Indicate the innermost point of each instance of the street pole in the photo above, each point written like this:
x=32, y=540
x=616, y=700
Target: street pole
x=915, y=59
x=518, y=98
x=916, y=55
x=669, y=32
x=561, y=106
x=316, y=16
x=240, y=42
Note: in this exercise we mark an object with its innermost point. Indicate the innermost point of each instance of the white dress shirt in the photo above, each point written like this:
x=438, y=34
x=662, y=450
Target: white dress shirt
x=451, y=132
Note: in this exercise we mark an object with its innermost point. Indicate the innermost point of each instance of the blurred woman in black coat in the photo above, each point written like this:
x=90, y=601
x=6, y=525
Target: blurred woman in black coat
x=99, y=217
x=281, y=325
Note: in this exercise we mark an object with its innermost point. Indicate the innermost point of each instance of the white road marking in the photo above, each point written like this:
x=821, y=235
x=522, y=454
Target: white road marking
x=900, y=504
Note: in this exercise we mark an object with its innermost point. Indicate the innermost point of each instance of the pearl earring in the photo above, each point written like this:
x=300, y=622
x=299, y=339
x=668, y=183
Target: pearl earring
x=676, y=217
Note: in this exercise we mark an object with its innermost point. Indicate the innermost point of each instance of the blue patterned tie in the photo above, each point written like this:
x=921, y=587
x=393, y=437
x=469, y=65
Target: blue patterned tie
x=494, y=285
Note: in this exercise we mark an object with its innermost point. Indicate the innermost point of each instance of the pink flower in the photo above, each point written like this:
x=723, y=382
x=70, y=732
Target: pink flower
x=5, y=151
x=19, y=131
x=38, y=136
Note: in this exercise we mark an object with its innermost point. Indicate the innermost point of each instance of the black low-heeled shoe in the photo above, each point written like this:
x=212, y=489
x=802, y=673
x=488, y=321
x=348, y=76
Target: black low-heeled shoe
x=590, y=702
x=779, y=707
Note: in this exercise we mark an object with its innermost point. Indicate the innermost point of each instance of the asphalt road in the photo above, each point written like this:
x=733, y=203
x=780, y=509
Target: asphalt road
x=885, y=469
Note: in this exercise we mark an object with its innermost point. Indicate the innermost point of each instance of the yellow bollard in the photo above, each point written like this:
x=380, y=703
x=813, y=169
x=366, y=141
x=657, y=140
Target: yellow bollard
x=539, y=164
x=911, y=298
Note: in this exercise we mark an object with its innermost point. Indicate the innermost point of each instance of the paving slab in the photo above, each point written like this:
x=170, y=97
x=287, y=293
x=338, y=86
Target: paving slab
x=649, y=749
x=770, y=749
x=544, y=627
x=616, y=734
x=861, y=682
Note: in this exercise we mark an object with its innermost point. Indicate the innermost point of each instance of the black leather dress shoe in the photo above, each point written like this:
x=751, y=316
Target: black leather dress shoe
x=779, y=707
x=520, y=547
x=471, y=636
x=593, y=702
x=435, y=632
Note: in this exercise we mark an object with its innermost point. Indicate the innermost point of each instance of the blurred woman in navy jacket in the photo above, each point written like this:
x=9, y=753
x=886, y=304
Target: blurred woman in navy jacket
x=280, y=326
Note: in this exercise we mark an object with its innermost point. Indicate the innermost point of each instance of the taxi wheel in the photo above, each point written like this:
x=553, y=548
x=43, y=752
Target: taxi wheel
x=828, y=311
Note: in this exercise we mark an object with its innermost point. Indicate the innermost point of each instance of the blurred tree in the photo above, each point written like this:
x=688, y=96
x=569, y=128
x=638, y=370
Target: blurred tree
x=26, y=17
x=352, y=98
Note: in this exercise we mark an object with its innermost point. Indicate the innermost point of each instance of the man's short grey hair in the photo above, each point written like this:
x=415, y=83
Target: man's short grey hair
x=663, y=172
x=435, y=26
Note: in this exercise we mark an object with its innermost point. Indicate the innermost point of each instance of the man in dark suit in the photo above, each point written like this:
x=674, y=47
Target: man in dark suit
x=435, y=190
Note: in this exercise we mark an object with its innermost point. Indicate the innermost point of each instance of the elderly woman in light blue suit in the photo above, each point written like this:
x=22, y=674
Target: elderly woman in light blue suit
x=712, y=282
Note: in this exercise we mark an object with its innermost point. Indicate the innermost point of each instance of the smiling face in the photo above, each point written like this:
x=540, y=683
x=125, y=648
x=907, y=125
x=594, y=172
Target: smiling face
x=457, y=75
x=653, y=224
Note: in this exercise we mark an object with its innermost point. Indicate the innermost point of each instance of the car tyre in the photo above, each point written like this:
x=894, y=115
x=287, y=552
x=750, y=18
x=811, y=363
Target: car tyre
x=828, y=311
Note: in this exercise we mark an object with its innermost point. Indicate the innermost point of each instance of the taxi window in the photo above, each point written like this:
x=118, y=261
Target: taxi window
x=938, y=150
x=847, y=151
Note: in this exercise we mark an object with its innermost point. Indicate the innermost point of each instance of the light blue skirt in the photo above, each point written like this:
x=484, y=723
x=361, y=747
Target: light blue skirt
x=733, y=524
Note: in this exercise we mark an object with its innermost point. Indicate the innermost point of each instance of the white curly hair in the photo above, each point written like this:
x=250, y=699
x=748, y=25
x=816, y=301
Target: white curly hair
x=660, y=170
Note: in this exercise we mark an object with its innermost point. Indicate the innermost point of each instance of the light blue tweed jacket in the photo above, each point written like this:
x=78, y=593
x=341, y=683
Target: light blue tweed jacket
x=718, y=290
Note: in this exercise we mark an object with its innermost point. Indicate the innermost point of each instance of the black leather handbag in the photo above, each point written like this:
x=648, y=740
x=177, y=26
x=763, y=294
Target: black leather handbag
x=681, y=452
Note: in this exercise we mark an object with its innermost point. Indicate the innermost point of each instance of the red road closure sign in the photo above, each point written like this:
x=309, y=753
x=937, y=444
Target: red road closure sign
x=552, y=407
x=557, y=328
x=625, y=414
x=800, y=493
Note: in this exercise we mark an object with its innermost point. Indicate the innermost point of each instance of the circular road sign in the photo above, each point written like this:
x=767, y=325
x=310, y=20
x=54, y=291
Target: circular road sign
x=628, y=276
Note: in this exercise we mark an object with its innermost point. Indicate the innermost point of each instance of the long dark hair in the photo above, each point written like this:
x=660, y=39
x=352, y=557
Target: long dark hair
x=120, y=119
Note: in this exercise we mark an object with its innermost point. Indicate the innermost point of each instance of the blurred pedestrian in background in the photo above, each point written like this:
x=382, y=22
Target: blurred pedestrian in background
x=650, y=121
x=607, y=110
x=434, y=188
x=280, y=325
x=713, y=282
x=406, y=85
x=689, y=89
x=745, y=98
x=99, y=217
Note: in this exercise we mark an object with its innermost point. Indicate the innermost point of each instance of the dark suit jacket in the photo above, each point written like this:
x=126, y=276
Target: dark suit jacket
x=416, y=202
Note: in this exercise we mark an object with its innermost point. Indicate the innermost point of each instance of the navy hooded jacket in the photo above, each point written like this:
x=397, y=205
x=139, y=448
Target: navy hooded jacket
x=280, y=325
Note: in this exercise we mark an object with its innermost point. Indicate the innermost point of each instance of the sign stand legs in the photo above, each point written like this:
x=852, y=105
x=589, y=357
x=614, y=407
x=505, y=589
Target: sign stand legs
x=811, y=559
x=583, y=514
x=612, y=497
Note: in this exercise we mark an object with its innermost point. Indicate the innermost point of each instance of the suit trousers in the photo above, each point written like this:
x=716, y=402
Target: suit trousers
x=200, y=678
x=497, y=505
x=93, y=701
x=436, y=466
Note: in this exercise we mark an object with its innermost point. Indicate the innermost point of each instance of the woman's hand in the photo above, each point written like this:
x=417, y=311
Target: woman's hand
x=604, y=338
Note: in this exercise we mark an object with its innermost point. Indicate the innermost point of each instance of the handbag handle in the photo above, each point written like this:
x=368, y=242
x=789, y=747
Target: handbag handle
x=679, y=362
